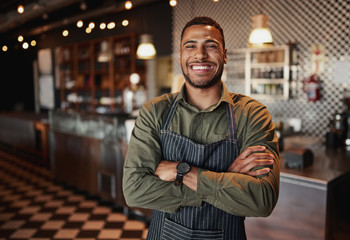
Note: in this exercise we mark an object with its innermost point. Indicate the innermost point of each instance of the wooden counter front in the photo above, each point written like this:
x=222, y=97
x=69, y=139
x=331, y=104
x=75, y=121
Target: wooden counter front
x=314, y=202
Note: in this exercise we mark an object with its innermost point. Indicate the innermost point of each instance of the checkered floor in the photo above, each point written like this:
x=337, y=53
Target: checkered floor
x=34, y=207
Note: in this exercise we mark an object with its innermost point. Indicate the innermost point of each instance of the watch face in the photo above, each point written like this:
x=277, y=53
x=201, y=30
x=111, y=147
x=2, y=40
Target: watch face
x=183, y=167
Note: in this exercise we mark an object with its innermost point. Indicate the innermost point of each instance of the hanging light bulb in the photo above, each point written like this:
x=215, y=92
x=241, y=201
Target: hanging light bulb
x=20, y=9
x=260, y=35
x=91, y=25
x=80, y=23
x=125, y=23
x=103, y=25
x=172, y=3
x=65, y=33
x=128, y=5
x=146, y=49
x=111, y=25
x=25, y=45
x=20, y=38
x=33, y=43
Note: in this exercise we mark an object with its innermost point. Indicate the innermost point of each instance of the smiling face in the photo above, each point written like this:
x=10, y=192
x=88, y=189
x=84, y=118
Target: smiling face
x=202, y=55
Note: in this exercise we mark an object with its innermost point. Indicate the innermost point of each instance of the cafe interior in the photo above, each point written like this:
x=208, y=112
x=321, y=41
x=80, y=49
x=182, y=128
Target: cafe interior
x=75, y=74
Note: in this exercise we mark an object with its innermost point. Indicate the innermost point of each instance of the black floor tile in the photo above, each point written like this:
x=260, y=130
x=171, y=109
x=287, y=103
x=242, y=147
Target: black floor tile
x=32, y=224
x=44, y=234
x=73, y=224
x=114, y=225
x=6, y=233
x=88, y=234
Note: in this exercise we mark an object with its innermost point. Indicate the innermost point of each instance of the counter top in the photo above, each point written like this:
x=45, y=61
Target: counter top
x=328, y=164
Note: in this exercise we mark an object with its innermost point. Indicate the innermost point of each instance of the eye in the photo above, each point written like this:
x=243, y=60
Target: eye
x=190, y=46
x=213, y=46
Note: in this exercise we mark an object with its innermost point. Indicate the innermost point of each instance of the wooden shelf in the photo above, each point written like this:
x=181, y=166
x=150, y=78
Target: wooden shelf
x=267, y=71
x=78, y=65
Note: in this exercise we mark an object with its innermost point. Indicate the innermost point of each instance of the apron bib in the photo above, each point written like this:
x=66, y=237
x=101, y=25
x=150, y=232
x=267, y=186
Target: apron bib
x=206, y=221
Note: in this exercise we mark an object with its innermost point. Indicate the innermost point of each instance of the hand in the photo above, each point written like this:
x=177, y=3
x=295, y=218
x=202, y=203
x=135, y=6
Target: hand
x=249, y=159
x=166, y=170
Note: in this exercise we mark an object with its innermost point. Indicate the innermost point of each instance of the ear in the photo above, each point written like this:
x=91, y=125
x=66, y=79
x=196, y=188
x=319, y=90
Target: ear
x=225, y=55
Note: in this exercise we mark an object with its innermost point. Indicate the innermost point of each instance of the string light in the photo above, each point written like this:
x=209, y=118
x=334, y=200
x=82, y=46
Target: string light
x=33, y=43
x=125, y=23
x=20, y=38
x=65, y=33
x=111, y=25
x=4, y=48
x=80, y=23
x=20, y=9
x=91, y=25
x=103, y=26
x=88, y=30
x=25, y=45
x=128, y=5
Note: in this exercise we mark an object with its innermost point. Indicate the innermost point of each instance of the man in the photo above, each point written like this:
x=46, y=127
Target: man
x=202, y=158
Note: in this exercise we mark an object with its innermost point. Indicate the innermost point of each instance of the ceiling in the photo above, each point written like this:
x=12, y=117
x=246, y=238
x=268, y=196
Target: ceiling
x=45, y=15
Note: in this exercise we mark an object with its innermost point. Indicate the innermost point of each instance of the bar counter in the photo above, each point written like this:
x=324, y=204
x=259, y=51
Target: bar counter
x=314, y=202
x=88, y=152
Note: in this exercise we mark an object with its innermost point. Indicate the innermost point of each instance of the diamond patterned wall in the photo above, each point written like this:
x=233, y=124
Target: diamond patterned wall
x=305, y=22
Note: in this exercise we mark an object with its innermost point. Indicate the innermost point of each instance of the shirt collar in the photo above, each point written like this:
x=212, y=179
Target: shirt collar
x=225, y=96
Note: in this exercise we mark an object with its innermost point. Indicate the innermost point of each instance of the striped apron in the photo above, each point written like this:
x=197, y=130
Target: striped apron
x=206, y=221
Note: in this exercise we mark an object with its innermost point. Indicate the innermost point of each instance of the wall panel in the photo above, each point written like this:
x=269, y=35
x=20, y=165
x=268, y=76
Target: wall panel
x=305, y=22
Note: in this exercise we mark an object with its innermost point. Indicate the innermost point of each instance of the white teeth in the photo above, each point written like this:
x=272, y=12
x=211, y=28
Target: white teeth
x=200, y=67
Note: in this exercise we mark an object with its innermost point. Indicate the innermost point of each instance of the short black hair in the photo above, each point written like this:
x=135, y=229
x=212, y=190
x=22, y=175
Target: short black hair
x=204, y=21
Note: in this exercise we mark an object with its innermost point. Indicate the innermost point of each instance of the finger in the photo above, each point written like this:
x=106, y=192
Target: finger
x=256, y=163
x=259, y=172
x=254, y=160
x=267, y=156
x=249, y=150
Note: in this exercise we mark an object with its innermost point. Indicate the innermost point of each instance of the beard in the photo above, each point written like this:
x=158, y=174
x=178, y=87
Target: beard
x=203, y=84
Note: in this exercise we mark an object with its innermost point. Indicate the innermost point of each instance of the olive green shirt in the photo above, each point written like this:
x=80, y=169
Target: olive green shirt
x=235, y=193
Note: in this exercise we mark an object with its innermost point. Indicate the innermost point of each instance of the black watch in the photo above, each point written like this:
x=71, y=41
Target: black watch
x=182, y=168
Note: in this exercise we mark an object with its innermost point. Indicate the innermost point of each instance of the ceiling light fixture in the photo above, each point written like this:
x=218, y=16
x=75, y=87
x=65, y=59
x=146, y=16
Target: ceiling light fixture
x=25, y=45
x=20, y=38
x=103, y=26
x=91, y=25
x=125, y=23
x=80, y=23
x=146, y=49
x=260, y=35
x=128, y=5
x=65, y=33
x=33, y=43
x=172, y=3
x=20, y=9
x=111, y=25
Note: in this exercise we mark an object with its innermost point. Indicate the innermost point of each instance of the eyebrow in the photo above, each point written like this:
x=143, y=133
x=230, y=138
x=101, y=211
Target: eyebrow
x=206, y=41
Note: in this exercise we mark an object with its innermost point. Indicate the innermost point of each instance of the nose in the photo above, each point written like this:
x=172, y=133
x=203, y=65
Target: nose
x=200, y=53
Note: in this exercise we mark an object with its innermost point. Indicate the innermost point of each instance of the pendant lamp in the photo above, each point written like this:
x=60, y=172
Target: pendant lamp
x=260, y=35
x=146, y=49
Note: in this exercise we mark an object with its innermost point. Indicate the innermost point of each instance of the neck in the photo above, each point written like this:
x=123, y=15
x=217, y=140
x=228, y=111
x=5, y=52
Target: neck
x=203, y=98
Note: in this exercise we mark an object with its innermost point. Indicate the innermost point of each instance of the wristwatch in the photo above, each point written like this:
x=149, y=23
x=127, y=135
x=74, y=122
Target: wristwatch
x=182, y=168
